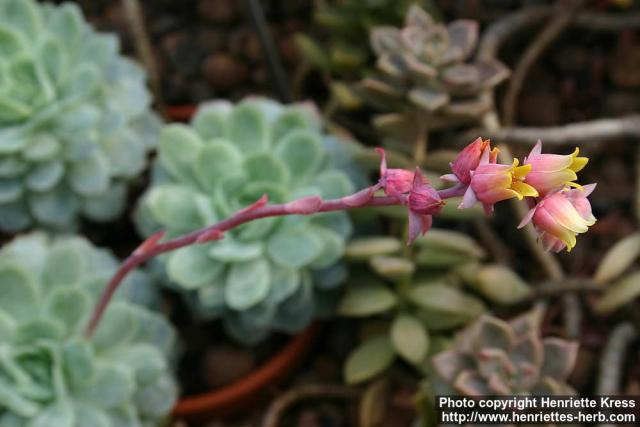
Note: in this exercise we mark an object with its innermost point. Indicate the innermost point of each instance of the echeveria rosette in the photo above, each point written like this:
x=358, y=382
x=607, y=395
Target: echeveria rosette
x=270, y=274
x=425, y=69
x=493, y=357
x=75, y=124
x=49, y=374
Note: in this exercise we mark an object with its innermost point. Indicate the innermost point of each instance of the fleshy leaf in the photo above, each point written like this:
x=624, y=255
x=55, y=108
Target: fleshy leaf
x=368, y=360
x=366, y=300
x=247, y=284
x=409, y=337
x=192, y=267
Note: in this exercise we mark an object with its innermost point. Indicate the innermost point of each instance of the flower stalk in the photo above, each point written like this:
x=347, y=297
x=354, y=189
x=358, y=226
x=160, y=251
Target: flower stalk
x=558, y=216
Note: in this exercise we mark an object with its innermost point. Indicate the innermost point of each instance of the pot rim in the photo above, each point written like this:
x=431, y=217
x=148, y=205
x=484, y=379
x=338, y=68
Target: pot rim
x=235, y=396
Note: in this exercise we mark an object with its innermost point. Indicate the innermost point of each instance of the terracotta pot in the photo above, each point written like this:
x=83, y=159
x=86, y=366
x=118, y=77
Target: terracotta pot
x=242, y=394
x=179, y=113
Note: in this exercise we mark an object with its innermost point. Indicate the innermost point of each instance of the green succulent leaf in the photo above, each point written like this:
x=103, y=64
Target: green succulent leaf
x=367, y=300
x=443, y=306
x=302, y=153
x=179, y=146
x=19, y=292
x=229, y=250
x=409, y=337
x=618, y=294
x=210, y=123
x=248, y=129
x=618, y=258
x=295, y=247
x=192, y=267
x=368, y=360
x=247, y=284
x=215, y=160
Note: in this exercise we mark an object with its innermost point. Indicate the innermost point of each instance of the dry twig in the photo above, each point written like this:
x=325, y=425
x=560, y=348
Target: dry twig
x=564, y=14
x=133, y=12
x=498, y=32
x=583, y=133
x=612, y=361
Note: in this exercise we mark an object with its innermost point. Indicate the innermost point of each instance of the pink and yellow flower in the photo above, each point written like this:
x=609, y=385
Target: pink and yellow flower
x=561, y=216
x=550, y=172
x=494, y=182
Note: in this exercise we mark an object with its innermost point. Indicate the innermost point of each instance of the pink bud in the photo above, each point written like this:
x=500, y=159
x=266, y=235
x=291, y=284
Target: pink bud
x=469, y=159
x=395, y=181
x=552, y=171
x=304, y=206
x=423, y=198
x=561, y=216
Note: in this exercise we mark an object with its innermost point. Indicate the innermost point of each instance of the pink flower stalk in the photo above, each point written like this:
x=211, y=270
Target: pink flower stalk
x=469, y=159
x=494, y=182
x=560, y=216
x=550, y=172
x=423, y=201
x=394, y=181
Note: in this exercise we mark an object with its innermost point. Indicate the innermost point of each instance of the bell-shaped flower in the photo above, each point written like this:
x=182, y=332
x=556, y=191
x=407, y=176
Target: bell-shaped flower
x=423, y=202
x=494, y=182
x=561, y=216
x=469, y=159
x=551, y=172
x=394, y=181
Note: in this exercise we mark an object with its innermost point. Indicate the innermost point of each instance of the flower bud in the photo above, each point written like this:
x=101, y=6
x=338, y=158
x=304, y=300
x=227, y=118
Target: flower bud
x=469, y=159
x=394, y=181
x=424, y=199
x=561, y=216
x=552, y=171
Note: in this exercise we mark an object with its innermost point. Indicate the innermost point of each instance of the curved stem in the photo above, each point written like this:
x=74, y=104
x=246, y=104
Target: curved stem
x=151, y=248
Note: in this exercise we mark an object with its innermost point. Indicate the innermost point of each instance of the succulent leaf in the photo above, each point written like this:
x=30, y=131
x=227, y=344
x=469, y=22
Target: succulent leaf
x=49, y=374
x=75, y=119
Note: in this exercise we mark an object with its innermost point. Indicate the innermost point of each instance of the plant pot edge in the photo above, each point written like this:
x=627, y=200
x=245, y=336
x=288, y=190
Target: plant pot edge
x=240, y=394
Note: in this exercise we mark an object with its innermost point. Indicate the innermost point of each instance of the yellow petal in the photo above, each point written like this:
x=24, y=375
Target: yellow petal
x=520, y=172
x=578, y=163
x=524, y=189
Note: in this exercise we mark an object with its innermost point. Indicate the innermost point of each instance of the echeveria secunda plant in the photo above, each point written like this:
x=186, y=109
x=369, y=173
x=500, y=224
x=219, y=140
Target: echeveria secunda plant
x=559, y=212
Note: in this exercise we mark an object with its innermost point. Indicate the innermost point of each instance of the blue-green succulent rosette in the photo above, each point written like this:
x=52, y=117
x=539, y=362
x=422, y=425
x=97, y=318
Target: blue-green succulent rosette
x=50, y=376
x=75, y=118
x=273, y=274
